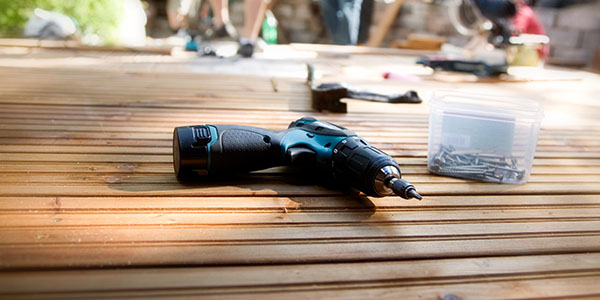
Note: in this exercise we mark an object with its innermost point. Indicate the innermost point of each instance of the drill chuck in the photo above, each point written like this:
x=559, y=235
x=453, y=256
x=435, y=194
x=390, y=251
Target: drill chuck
x=367, y=168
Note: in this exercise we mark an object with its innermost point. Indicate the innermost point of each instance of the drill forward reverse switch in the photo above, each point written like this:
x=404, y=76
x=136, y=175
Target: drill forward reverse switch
x=222, y=150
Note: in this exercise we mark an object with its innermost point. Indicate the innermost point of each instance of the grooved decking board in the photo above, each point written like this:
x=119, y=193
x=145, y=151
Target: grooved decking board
x=90, y=208
x=522, y=275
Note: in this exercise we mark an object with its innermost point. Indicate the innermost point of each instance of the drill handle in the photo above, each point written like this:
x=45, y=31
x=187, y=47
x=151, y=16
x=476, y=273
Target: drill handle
x=244, y=149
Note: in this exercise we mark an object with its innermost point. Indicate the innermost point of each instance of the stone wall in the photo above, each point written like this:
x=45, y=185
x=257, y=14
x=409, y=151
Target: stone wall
x=574, y=33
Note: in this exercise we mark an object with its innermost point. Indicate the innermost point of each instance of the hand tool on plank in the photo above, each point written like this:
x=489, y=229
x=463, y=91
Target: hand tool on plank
x=327, y=96
x=322, y=147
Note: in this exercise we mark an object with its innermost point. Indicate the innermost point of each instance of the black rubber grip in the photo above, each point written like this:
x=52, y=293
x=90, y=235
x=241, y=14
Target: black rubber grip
x=408, y=97
x=243, y=149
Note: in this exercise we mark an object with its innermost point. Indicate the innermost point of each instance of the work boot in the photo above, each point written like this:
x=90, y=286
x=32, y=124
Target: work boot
x=246, y=49
x=226, y=31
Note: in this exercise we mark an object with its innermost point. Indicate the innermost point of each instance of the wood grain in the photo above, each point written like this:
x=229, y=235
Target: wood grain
x=89, y=206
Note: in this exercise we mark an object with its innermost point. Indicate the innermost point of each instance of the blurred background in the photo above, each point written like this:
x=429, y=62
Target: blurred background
x=573, y=27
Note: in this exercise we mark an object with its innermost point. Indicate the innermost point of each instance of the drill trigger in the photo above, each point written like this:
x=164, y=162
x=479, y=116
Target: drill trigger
x=300, y=156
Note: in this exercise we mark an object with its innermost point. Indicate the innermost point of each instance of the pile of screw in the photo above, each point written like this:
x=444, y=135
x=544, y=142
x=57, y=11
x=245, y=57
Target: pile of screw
x=489, y=167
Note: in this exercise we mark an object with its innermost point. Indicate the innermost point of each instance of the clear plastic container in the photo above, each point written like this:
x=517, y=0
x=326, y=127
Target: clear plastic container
x=482, y=137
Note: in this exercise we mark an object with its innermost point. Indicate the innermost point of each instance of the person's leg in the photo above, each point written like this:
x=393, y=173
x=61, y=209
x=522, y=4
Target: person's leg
x=329, y=11
x=225, y=11
x=174, y=16
x=366, y=14
x=253, y=17
x=183, y=14
x=221, y=21
x=220, y=12
x=342, y=20
x=192, y=8
x=351, y=11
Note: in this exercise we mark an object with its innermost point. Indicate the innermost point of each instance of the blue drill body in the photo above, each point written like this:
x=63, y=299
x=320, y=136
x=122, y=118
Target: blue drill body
x=331, y=150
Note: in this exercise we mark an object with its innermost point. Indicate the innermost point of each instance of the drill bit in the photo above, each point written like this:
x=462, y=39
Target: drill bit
x=403, y=188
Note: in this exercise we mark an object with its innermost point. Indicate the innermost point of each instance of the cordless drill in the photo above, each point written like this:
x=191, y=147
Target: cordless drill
x=222, y=150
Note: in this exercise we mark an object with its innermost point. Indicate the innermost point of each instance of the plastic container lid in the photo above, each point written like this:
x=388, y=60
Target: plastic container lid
x=490, y=105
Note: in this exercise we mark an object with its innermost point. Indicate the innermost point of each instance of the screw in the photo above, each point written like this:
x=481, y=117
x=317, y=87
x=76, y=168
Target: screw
x=470, y=167
x=492, y=167
x=453, y=159
x=494, y=163
x=465, y=157
x=519, y=174
x=470, y=170
x=439, y=157
x=492, y=175
x=514, y=163
x=509, y=169
x=442, y=152
x=491, y=156
x=458, y=159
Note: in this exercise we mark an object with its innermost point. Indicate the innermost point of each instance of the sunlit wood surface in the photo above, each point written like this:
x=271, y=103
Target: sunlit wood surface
x=90, y=208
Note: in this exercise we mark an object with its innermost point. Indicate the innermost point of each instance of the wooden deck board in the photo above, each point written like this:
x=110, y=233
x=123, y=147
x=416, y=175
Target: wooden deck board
x=498, y=272
x=89, y=206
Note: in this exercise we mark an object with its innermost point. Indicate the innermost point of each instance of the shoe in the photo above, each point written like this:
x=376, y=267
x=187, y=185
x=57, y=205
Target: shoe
x=206, y=51
x=191, y=44
x=246, y=50
x=226, y=31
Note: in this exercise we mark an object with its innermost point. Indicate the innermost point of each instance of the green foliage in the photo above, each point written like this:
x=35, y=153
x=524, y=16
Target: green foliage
x=100, y=17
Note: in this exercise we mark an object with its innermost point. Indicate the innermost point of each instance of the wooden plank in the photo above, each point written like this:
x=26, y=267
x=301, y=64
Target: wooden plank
x=72, y=45
x=564, y=286
x=583, y=152
x=50, y=157
x=273, y=186
x=407, y=167
x=131, y=114
x=181, y=102
x=52, y=205
x=83, y=167
x=37, y=236
x=398, y=154
x=520, y=288
x=387, y=139
x=328, y=49
x=164, y=137
x=282, y=217
x=320, y=276
x=214, y=253
x=169, y=178
x=154, y=91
